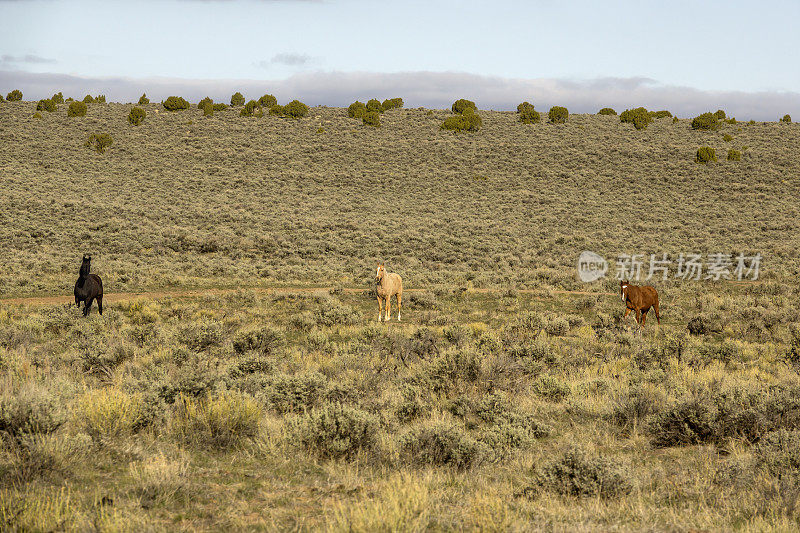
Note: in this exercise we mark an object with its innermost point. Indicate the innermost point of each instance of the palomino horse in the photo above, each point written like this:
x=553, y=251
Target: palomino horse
x=88, y=287
x=639, y=299
x=388, y=284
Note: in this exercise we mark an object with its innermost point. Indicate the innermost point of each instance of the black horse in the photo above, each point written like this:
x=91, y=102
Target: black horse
x=88, y=287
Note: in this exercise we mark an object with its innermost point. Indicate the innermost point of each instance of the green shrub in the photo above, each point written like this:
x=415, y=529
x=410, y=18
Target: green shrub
x=661, y=114
x=237, y=99
x=99, y=142
x=469, y=121
x=335, y=431
x=727, y=138
x=208, y=109
x=720, y=114
x=392, y=103
x=202, y=103
x=779, y=453
x=372, y=118
x=88, y=99
x=706, y=121
x=277, y=110
x=529, y=116
x=578, y=473
x=30, y=410
x=299, y=392
x=551, y=388
x=58, y=98
x=296, y=109
x=734, y=155
x=219, y=421
x=46, y=105
x=2, y=99
x=136, y=116
x=674, y=120
x=443, y=444
x=705, y=154
x=637, y=405
x=249, y=109
x=524, y=106
x=76, y=109
x=460, y=106
x=263, y=340
x=109, y=412
x=639, y=117
x=786, y=118
x=219, y=107
x=357, y=110
x=175, y=103
x=606, y=111
x=201, y=335
x=374, y=106
x=144, y=100
x=267, y=101
x=100, y=99
x=14, y=96
x=558, y=114
x=37, y=115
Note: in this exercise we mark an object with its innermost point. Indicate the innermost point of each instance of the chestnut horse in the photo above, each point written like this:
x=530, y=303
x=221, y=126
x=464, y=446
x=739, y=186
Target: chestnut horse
x=639, y=299
x=88, y=287
x=388, y=284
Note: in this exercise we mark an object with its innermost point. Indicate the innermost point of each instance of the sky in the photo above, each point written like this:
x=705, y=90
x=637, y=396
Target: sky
x=687, y=56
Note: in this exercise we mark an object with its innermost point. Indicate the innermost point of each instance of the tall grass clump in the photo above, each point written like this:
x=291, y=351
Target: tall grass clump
x=14, y=96
x=462, y=105
x=144, y=100
x=137, y=116
x=606, y=111
x=558, y=114
x=357, y=110
x=175, y=103
x=335, y=430
x=46, y=105
x=706, y=121
x=218, y=421
x=109, y=412
x=76, y=109
x=705, y=154
x=237, y=99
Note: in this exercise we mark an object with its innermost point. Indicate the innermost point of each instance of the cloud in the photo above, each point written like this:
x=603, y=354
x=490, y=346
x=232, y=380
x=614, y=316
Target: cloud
x=429, y=89
x=28, y=59
x=291, y=60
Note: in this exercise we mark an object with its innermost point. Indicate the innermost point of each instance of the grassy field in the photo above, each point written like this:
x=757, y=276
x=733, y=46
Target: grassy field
x=503, y=401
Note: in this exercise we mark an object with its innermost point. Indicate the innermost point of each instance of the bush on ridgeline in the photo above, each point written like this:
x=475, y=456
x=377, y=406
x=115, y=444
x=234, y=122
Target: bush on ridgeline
x=237, y=99
x=99, y=142
x=705, y=154
x=295, y=109
x=144, y=100
x=720, y=114
x=674, y=120
x=267, y=101
x=786, y=118
x=660, y=114
x=277, y=110
x=530, y=116
x=639, y=117
x=558, y=114
x=523, y=106
x=606, y=111
x=250, y=109
x=461, y=106
x=208, y=109
x=372, y=118
x=2, y=99
x=58, y=98
x=469, y=121
x=100, y=99
x=88, y=99
x=392, y=103
x=76, y=109
x=136, y=116
x=357, y=110
x=46, y=105
x=734, y=155
x=706, y=121
x=175, y=103
x=374, y=105
x=207, y=100
x=219, y=107
x=14, y=96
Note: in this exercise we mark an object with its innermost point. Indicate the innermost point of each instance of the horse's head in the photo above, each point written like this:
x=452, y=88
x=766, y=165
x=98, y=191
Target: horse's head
x=380, y=273
x=86, y=265
x=623, y=289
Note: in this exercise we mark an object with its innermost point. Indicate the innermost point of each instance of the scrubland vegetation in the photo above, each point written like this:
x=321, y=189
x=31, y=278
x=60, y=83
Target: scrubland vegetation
x=501, y=402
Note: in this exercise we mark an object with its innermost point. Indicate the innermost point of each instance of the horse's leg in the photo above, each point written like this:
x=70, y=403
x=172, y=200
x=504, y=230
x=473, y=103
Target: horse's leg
x=380, y=308
x=399, y=305
x=87, y=305
x=639, y=316
x=388, y=308
x=655, y=308
x=100, y=303
x=644, y=317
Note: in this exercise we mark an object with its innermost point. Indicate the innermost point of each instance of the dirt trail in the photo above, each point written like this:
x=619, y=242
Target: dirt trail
x=111, y=297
